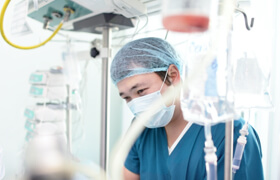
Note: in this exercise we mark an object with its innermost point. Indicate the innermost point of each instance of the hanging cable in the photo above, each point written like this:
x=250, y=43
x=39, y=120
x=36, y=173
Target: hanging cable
x=25, y=47
x=135, y=31
x=136, y=28
x=146, y=23
x=167, y=31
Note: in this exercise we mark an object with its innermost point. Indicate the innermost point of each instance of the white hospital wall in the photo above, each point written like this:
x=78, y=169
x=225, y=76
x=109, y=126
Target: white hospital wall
x=273, y=133
x=17, y=65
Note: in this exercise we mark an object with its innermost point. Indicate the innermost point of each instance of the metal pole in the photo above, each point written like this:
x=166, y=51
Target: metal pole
x=228, y=150
x=104, y=98
x=68, y=120
x=229, y=124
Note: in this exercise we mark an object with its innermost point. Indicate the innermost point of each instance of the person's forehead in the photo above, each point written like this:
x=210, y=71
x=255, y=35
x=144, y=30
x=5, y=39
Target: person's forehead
x=141, y=79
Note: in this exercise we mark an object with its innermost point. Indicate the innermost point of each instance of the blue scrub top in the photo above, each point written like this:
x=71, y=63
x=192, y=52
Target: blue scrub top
x=149, y=155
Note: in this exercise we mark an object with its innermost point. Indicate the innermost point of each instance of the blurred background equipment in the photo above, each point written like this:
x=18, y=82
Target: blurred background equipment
x=82, y=9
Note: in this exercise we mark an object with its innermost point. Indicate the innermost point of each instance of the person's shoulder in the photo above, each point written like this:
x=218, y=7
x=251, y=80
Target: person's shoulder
x=149, y=134
x=239, y=122
x=218, y=130
x=253, y=139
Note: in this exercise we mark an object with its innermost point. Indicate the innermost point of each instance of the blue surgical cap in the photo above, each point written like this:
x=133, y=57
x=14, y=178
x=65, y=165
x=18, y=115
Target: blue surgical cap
x=142, y=56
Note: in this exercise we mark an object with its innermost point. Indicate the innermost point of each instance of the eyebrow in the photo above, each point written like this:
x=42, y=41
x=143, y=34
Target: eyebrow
x=132, y=88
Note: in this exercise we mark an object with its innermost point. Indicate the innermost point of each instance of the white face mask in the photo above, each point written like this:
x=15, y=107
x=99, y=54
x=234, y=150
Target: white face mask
x=163, y=114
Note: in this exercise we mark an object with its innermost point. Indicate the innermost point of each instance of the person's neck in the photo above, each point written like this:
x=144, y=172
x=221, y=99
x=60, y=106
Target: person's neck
x=175, y=127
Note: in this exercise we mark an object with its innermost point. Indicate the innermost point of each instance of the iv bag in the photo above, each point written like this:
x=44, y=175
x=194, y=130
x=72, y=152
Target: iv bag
x=71, y=68
x=250, y=84
x=251, y=72
x=206, y=99
x=186, y=15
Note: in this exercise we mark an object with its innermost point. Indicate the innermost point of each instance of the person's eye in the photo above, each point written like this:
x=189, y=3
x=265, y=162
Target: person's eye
x=127, y=99
x=141, y=91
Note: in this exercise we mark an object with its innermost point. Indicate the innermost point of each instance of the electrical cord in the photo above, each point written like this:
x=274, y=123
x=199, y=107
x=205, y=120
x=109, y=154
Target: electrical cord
x=17, y=46
x=167, y=31
x=146, y=23
x=136, y=32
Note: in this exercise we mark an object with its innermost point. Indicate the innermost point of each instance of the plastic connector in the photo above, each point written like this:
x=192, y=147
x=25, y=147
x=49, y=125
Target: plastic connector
x=47, y=20
x=244, y=131
x=68, y=11
x=210, y=160
x=239, y=150
x=237, y=156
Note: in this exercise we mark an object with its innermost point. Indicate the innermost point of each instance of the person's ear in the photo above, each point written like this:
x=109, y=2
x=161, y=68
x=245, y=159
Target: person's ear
x=173, y=74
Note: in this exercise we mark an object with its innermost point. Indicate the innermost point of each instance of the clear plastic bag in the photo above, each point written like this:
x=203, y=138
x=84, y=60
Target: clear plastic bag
x=71, y=67
x=250, y=84
x=251, y=74
x=206, y=100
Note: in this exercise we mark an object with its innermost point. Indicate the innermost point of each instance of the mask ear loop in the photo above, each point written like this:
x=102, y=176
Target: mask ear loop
x=163, y=84
x=163, y=81
x=174, y=94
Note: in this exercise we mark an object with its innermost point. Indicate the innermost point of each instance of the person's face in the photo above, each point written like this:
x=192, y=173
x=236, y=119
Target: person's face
x=140, y=85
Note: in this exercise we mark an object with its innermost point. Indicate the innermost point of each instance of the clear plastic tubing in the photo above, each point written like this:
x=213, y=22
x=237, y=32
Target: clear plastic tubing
x=211, y=170
x=210, y=154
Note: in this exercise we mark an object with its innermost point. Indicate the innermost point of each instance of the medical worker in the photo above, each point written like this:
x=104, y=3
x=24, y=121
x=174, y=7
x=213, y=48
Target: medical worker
x=170, y=147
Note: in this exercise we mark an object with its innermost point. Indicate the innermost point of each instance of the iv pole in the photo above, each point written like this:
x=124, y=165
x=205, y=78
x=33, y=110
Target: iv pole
x=229, y=124
x=228, y=150
x=105, y=22
x=104, y=98
x=69, y=120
